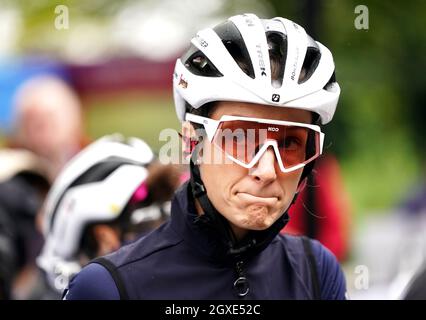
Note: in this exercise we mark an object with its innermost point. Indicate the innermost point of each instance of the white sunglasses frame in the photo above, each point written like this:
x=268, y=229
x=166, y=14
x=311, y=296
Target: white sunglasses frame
x=211, y=125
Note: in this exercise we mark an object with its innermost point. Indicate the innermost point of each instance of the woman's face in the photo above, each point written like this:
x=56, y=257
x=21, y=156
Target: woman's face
x=251, y=199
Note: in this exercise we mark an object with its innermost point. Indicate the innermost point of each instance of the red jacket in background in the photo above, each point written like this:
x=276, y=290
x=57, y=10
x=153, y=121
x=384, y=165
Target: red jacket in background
x=322, y=209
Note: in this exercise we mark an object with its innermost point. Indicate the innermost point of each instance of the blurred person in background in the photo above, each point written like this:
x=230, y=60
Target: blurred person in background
x=413, y=209
x=397, y=273
x=47, y=121
x=47, y=132
x=111, y=193
x=23, y=187
x=7, y=255
x=414, y=204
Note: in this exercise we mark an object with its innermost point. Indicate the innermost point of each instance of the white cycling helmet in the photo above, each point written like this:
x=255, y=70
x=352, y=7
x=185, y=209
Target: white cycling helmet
x=231, y=62
x=94, y=187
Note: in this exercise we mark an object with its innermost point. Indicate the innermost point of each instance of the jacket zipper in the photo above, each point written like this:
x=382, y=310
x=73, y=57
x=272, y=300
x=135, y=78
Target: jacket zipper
x=241, y=284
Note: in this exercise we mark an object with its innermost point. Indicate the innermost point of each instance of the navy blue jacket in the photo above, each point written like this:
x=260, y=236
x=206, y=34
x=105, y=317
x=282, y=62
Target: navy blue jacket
x=181, y=260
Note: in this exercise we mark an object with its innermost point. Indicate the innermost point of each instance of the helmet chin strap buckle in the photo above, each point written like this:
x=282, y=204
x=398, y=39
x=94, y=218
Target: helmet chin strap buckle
x=198, y=189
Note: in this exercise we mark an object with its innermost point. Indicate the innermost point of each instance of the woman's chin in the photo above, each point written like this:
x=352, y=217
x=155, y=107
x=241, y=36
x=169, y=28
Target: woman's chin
x=257, y=218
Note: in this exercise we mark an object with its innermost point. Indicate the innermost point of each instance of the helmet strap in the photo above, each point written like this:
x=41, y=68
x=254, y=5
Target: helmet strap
x=210, y=215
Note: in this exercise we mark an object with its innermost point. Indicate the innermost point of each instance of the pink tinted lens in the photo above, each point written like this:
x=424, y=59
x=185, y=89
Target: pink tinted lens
x=243, y=139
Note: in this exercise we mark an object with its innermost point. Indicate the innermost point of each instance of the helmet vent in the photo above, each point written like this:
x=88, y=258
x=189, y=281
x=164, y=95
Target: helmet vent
x=234, y=43
x=312, y=58
x=330, y=82
x=277, y=44
x=197, y=63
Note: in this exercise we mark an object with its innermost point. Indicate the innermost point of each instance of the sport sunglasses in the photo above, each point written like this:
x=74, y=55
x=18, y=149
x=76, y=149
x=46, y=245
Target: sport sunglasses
x=244, y=140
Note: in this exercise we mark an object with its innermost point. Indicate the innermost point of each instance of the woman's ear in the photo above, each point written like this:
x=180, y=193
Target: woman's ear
x=107, y=238
x=189, y=138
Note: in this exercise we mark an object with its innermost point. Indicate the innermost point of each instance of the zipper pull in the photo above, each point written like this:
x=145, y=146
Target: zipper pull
x=241, y=285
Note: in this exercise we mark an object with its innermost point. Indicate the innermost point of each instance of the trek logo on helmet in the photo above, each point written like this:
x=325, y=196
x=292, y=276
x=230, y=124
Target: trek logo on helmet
x=276, y=97
x=261, y=61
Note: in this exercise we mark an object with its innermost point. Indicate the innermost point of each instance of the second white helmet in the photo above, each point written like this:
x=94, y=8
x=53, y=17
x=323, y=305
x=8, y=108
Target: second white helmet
x=94, y=187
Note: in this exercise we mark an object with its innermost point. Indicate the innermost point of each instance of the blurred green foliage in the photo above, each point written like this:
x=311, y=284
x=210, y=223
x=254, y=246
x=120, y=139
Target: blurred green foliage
x=140, y=116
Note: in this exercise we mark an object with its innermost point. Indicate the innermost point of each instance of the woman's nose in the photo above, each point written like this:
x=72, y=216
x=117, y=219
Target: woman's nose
x=265, y=169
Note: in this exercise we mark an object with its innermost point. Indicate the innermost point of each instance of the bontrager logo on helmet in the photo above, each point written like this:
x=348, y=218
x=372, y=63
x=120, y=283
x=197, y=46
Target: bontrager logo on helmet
x=293, y=71
x=236, y=66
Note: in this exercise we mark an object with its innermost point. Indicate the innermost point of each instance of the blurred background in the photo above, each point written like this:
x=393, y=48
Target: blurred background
x=118, y=56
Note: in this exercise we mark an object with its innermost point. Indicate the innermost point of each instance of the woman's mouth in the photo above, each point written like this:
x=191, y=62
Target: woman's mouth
x=253, y=199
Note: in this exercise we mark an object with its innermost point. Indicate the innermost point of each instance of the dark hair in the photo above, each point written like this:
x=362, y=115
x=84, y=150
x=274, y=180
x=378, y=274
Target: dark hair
x=161, y=182
x=89, y=244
